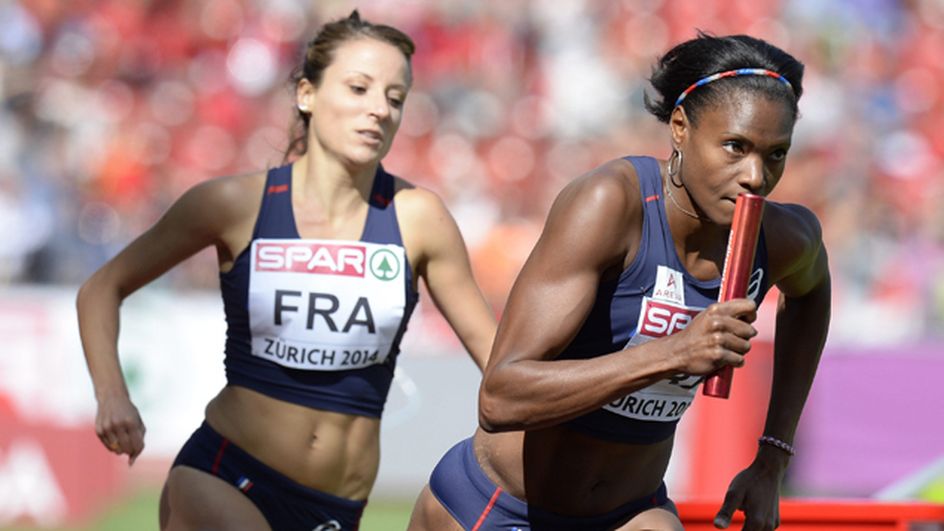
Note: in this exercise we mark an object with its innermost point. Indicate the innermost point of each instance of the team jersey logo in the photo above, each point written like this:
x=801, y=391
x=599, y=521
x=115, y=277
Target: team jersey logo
x=660, y=319
x=670, y=285
x=310, y=257
x=384, y=264
x=754, y=285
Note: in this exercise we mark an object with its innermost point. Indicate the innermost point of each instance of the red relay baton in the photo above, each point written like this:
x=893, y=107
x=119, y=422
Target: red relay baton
x=742, y=244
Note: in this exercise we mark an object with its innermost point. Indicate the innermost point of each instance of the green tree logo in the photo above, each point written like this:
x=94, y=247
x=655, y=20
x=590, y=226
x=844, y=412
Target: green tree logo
x=384, y=264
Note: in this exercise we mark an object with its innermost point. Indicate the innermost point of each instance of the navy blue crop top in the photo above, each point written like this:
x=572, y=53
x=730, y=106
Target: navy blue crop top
x=318, y=322
x=654, y=297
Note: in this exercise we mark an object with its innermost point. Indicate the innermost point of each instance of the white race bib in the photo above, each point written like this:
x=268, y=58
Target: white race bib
x=325, y=305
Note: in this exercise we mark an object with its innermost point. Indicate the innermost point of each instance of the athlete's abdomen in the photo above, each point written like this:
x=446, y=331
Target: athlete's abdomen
x=569, y=473
x=332, y=452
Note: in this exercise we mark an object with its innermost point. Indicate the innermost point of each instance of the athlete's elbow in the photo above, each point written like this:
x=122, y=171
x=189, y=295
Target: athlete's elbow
x=489, y=420
x=103, y=284
x=497, y=413
x=86, y=293
x=492, y=421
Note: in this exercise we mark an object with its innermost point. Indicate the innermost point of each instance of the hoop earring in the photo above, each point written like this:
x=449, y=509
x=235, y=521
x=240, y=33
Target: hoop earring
x=674, y=167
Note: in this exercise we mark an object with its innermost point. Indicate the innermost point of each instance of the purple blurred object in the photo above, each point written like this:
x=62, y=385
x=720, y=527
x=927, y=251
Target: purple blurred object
x=873, y=416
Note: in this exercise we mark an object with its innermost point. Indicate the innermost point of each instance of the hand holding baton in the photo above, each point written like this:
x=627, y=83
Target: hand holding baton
x=742, y=244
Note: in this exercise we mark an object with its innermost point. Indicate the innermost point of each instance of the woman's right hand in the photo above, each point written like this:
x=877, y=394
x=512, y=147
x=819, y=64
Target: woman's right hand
x=717, y=337
x=119, y=427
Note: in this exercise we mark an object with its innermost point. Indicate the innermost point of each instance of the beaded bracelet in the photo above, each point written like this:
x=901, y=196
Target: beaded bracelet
x=777, y=443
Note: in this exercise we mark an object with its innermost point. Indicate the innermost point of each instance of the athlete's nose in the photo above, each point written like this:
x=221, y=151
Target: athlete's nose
x=380, y=107
x=753, y=176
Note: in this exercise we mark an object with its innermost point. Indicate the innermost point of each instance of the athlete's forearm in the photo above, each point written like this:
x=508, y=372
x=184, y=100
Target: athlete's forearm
x=470, y=318
x=479, y=346
x=477, y=332
x=802, y=325
x=98, y=315
x=532, y=394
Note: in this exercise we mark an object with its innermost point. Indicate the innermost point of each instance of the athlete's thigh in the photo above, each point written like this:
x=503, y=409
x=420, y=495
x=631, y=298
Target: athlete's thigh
x=193, y=499
x=430, y=515
x=661, y=518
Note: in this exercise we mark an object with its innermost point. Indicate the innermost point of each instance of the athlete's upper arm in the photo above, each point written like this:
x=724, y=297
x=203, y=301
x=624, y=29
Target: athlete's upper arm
x=586, y=236
x=440, y=258
x=201, y=217
x=429, y=231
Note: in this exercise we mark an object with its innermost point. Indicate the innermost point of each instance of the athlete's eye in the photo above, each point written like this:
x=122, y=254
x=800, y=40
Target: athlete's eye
x=779, y=156
x=733, y=146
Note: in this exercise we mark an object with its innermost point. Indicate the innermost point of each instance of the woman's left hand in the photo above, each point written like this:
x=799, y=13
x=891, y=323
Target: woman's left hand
x=756, y=492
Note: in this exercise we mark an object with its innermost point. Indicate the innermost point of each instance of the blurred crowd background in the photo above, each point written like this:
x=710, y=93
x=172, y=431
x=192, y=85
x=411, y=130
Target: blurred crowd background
x=112, y=108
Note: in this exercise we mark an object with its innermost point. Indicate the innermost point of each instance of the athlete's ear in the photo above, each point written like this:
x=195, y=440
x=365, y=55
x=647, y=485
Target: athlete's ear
x=679, y=126
x=305, y=95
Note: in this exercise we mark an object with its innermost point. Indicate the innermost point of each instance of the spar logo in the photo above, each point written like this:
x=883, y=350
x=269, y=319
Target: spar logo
x=660, y=319
x=384, y=264
x=316, y=258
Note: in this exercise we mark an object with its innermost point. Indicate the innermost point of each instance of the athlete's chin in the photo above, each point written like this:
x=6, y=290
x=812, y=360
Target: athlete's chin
x=724, y=214
x=364, y=157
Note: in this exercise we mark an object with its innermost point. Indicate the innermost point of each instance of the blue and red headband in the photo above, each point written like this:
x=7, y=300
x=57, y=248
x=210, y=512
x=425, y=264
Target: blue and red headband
x=732, y=73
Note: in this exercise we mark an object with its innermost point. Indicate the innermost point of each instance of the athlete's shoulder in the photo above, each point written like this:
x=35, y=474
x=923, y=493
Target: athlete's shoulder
x=610, y=189
x=619, y=173
x=224, y=200
x=597, y=215
x=232, y=190
x=794, y=236
x=227, y=188
x=416, y=202
x=793, y=222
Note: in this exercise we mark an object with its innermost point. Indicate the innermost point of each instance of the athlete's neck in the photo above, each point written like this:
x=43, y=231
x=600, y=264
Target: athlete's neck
x=335, y=190
x=702, y=250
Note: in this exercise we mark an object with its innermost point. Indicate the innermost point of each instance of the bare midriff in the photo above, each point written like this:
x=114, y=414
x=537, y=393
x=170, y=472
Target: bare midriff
x=336, y=453
x=569, y=473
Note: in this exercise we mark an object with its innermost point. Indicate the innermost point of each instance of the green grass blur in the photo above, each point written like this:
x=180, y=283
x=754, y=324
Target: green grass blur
x=139, y=513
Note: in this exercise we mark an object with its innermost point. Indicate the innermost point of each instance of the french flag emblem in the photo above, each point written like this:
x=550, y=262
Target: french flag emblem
x=244, y=484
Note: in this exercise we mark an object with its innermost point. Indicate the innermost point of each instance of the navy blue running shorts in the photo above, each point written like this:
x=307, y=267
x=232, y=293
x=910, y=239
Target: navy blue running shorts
x=462, y=487
x=286, y=505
